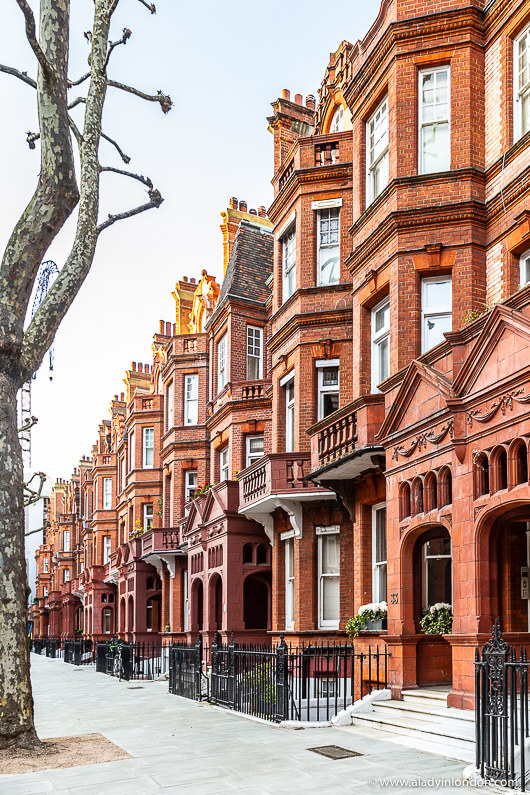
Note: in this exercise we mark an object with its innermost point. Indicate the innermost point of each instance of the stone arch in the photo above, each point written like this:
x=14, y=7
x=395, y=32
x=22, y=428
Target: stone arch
x=430, y=492
x=256, y=601
x=481, y=475
x=410, y=603
x=130, y=613
x=248, y=553
x=197, y=605
x=445, y=487
x=404, y=500
x=517, y=463
x=417, y=496
x=215, y=602
x=499, y=469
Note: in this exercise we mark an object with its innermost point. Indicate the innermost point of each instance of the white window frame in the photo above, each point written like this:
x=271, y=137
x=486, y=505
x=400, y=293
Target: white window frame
x=288, y=244
x=441, y=310
x=252, y=456
x=45, y=565
x=122, y=472
x=374, y=163
x=377, y=564
x=337, y=120
x=148, y=513
x=223, y=463
x=422, y=126
x=44, y=591
x=148, y=449
x=425, y=560
x=190, y=474
x=377, y=337
x=324, y=249
x=170, y=406
x=107, y=494
x=289, y=582
x=66, y=541
x=222, y=362
x=191, y=399
x=290, y=403
x=132, y=452
x=322, y=534
x=520, y=92
x=524, y=264
x=106, y=549
x=66, y=575
x=321, y=365
x=255, y=341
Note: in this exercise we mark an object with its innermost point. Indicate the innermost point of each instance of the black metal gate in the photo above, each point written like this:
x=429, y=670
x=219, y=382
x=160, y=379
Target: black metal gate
x=501, y=711
x=185, y=670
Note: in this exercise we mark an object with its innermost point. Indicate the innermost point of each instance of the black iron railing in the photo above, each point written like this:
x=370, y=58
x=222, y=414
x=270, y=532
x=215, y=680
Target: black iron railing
x=148, y=660
x=186, y=675
x=501, y=712
x=79, y=651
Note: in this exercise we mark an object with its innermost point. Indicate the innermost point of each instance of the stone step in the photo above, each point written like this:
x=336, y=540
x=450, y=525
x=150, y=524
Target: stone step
x=452, y=735
x=426, y=712
x=425, y=695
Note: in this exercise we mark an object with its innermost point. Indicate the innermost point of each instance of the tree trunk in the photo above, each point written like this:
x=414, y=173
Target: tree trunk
x=16, y=700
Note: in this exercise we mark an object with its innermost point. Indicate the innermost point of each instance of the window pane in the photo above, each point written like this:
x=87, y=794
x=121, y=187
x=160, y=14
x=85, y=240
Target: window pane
x=383, y=364
x=380, y=584
x=438, y=581
x=330, y=554
x=330, y=403
x=382, y=317
x=256, y=444
x=435, y=147
x=434, y=328
x=437, y=294
x=330, y=599
x=330, y=376
x=380, y=537
x=438, y=546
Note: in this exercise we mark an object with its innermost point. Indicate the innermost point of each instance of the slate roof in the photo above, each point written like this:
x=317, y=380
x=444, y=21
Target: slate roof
x=249, y=267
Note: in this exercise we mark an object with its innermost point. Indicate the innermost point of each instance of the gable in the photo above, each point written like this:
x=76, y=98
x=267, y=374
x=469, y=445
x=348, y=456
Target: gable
x=502, y=349
x=424, y=391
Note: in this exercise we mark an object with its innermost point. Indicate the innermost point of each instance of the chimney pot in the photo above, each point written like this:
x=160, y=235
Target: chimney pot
x=122, y=394
x=262, y=211
x=286, y=94
x=298, y=99
x=233, y=203
x=140, y=367
x=243, y=206
x=168, y=329
x=192, y=281
x=133, y=365
x=184, y=278
x=253, y=212
x=310, y=102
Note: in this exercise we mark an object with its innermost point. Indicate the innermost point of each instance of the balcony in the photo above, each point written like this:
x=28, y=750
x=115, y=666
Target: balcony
x=161, y=539
x=344, y=445
x=279, y=480
x=315, y=151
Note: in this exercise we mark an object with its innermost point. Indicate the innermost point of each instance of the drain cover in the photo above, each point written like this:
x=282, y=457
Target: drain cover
x=137, y=687
x=334, y=752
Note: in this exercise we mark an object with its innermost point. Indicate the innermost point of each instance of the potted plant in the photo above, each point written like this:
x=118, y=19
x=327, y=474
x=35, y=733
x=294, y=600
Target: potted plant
x=138, y=530
x=438, y=620
x=370, y=617
x=167, y=628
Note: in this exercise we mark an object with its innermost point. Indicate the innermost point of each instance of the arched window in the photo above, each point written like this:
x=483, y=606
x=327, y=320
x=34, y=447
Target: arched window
x=417, y=496
x=261, y=555
x=247, y=553
x=482, y=475
x=337, y=121
x=404, y=501
x=445, y=488
x=436, y=571
x=430, y=500
x=499, y=469
x=518, y=462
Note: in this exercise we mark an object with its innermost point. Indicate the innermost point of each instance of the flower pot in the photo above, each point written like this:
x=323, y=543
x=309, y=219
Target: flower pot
x=375, y=625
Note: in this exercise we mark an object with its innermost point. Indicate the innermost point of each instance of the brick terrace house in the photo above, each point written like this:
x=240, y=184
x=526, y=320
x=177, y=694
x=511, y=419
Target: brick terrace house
x=381, y=427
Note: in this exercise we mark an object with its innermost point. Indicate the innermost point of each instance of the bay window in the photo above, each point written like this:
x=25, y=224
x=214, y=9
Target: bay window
x=148, y=447
x=191, y=399
x=328, y=246
x=377, y=152
x=289, y=583
x=328, y=576
x=289, y=263
x=328, y=387
x=522, y=83
x=436, y=310
x=254, y=353
x=223, y=464
x=434, y=120
x=379, y=554
x=255, y=449
x=170, y=405
x=380, y=343
x=222, y=369
x=107, y=494
x=524, y=268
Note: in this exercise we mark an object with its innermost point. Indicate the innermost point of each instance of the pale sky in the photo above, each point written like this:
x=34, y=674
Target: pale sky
x=222, y=64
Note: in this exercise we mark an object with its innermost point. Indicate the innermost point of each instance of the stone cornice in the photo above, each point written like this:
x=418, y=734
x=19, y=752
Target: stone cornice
x=307, y=176
x=315, y=319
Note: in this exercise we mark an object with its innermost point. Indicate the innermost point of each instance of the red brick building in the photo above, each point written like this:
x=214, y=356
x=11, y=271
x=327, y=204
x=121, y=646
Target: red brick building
x=363, y=372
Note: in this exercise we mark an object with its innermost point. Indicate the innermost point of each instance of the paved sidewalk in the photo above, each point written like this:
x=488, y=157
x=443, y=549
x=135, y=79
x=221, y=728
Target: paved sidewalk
x=180, y=746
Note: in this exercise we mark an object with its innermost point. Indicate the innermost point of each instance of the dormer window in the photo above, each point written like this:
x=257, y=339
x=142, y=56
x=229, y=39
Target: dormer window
x=337, y=121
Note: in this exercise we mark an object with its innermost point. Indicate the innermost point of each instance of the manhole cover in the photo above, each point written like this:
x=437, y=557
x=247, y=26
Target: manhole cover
x=137, y=687
x=334, y=752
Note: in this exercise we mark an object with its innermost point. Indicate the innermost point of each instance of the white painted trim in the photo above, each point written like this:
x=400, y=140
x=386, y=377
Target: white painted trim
x=327, y=531
x=326, y=204
x=285, y=226
x=327, y=362
x=286, y=378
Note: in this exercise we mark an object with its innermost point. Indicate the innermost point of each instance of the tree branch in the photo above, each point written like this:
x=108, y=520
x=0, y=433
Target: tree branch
x=155, y=200
x=139, y=177
x=150, y=6
x=164, y=100
x=38, y=530
x=124, y=157
x=31, y=137
x=30, y=422
x=21, y=75
x=125, y=37
x=79, y=81
x=77, y=101
x=31, y=36
x=33, y=495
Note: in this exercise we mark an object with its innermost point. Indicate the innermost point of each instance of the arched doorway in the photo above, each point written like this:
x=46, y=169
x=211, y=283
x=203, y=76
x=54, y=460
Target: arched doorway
x=433, y=585
x=130, y=614
x=152, y=614
x=197, y=606
x=215, y=603
x=256, y=602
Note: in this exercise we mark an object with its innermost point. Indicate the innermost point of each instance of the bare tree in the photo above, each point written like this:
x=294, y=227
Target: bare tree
x=56, y=195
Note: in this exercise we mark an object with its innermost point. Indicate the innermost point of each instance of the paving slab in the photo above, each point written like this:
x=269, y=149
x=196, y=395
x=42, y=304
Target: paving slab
x=180, y=746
